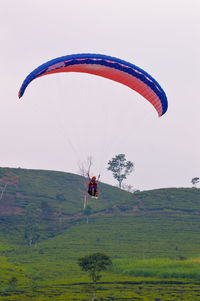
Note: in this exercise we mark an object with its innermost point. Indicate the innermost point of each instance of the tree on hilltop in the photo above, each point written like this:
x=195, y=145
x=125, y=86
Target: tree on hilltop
x=195, y=181
x=120, y=168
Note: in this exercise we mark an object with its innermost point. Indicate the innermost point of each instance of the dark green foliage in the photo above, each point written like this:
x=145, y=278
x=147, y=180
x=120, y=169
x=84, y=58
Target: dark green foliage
x=94, y=264
x=195, y=181
x=12, y=281
x=88, y=210
x=60, y=197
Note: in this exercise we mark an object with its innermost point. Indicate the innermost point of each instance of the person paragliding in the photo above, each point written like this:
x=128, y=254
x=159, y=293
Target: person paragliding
x=108, y=67
x=93, y=188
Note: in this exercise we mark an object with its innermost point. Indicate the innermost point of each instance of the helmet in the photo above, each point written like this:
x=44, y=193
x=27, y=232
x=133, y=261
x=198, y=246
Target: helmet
x=94, y=177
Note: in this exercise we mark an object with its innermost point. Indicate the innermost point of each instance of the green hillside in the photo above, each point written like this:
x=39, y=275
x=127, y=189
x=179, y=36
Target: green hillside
x=45, y=203
x=43, y=230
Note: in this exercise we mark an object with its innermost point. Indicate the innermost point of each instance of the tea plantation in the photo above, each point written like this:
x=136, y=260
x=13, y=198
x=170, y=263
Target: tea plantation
x=152, y=238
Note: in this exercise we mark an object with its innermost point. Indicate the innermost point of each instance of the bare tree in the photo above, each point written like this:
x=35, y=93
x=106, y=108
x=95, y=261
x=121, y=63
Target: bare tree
x=128, y=187
x=84, y=171
x=85, y=167
x=7, y=179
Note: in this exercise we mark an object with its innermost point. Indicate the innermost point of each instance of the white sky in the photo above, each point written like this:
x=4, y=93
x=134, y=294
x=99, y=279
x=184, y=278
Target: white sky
x=63, y=118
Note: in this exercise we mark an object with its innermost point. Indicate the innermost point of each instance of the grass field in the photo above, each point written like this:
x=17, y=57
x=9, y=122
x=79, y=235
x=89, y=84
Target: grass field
x=120, y=288
x=52, y=267
x=151, y=236
x=163, y=268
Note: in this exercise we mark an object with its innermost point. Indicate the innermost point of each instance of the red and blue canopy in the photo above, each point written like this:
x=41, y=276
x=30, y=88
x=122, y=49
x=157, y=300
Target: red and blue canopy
x=108, y=67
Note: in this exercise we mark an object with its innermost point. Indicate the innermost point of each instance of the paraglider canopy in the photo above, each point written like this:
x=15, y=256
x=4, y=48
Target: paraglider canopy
x=108, y=67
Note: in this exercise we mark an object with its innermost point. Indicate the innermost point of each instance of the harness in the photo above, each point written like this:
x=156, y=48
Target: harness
x=93, y=184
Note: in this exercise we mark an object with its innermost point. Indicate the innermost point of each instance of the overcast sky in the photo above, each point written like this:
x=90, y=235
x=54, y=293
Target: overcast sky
x=63, y=118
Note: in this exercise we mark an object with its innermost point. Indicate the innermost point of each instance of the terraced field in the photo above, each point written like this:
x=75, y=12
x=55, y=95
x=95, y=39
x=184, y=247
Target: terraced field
x=151, y=236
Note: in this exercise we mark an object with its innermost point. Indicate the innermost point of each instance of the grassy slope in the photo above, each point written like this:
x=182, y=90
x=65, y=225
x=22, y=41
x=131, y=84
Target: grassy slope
x=158, y=223
x=47, y=202
x=152, y=222
x=119, y=237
